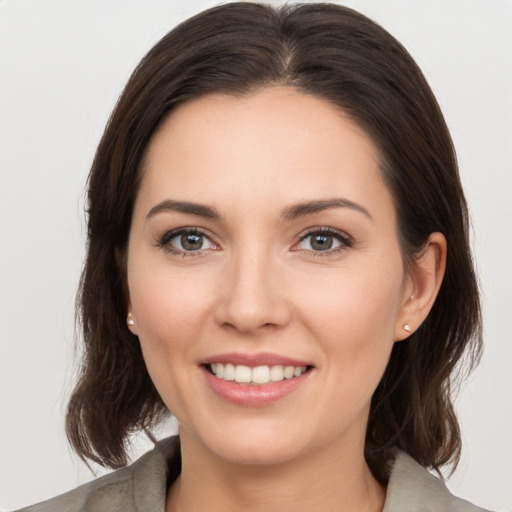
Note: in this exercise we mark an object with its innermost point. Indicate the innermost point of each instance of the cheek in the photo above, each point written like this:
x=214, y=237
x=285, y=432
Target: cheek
x=352, y=313
x=168, y=309
x=355, y=299
x=170, y=312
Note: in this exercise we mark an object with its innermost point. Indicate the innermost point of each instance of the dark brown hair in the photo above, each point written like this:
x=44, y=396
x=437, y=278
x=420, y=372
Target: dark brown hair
x=339, y=55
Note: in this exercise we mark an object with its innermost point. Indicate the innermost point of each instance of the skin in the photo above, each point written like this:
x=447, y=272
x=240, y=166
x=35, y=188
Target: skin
x=256, y=285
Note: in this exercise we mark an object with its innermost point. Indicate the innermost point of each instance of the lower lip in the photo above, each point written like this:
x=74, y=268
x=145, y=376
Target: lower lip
x=253, y=395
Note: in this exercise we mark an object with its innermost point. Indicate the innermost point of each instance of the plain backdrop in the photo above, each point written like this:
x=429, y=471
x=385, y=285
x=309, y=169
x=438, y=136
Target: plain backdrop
x=63, y=64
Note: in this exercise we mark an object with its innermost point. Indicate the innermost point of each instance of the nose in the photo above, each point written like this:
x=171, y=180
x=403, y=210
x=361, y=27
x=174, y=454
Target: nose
x=252, y=296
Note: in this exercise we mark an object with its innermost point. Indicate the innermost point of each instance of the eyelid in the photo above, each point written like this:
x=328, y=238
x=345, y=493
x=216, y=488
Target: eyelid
x=163, y=241
x=346, y=240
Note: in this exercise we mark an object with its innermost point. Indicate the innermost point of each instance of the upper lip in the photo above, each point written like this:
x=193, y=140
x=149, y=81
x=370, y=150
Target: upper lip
x=253, y=360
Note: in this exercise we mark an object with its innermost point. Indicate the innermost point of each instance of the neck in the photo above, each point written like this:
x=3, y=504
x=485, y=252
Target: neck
x=328, y=480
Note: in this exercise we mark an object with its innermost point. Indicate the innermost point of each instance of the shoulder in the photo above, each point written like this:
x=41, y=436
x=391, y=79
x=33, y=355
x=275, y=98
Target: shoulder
x=412, y=488
x=140, y=486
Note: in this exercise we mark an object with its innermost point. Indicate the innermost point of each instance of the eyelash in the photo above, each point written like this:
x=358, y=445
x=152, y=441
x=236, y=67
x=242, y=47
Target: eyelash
x=164, y=241
x=346, y=242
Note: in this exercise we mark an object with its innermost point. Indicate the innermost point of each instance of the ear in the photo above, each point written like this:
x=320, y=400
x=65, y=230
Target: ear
x=422, y=286
x=131, y=322
x=130, y=317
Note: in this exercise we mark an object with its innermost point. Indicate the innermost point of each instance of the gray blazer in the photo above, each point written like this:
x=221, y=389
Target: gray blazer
x=141, y=487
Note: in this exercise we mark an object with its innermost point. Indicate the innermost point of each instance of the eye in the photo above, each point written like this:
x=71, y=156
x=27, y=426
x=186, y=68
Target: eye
x=325, y=240
x=186, y=241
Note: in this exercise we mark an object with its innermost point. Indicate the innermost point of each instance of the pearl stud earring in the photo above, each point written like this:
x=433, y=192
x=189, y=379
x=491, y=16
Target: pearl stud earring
x=130, y=321
x=407, y=328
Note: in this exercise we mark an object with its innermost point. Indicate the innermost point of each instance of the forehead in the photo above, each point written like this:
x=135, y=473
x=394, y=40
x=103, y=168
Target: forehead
x=274, y=144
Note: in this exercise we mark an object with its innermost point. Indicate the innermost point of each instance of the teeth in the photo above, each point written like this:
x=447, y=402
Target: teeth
x=229, y=371
x=277, y=373
x=288, y=372
x=242, y=373
x=258, y=375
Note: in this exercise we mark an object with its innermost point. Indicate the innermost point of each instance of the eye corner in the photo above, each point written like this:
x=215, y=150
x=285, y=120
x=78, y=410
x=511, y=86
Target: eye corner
x=331, y=241
x=174, y=241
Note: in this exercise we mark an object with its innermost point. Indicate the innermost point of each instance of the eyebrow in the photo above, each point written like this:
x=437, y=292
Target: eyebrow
x=291, y=212
x=170, y=205
x=311, y=207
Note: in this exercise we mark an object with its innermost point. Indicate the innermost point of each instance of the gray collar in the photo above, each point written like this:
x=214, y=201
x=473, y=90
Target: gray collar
x=142, y=487
x=412, y=488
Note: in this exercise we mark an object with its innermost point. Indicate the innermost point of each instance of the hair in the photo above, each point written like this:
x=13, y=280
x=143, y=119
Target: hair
x=339, y=55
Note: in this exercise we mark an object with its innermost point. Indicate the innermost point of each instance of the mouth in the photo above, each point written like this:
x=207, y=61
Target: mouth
x=256, y=376
x=255, y=380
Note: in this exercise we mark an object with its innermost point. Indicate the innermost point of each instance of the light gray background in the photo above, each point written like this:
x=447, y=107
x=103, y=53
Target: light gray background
x=62, y=66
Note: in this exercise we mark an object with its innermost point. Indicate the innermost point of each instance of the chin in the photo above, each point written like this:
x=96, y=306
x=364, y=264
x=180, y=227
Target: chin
x=255, y=443
x=246, y=451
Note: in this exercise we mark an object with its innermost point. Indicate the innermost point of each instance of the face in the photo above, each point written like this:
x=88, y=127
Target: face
x=264, y=273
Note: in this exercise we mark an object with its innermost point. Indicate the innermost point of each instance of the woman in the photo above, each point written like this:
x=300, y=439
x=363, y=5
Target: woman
x=278, y=254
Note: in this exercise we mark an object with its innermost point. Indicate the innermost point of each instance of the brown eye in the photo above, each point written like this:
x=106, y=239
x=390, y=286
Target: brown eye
x=186, y=241
x=324, y=241
x=191, y=241
x=321, y=242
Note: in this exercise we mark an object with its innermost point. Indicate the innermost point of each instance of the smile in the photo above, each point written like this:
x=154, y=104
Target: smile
x=258, y=375
x=255, y=380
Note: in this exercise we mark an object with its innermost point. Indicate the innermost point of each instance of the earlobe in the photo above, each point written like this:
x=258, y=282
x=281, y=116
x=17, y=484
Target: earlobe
x=130, y=322
x=120, y=258
x=425, y=281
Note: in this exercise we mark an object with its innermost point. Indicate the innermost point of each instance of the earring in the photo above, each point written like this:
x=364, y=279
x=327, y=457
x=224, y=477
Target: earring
x=130, y=321
x=407, y=328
